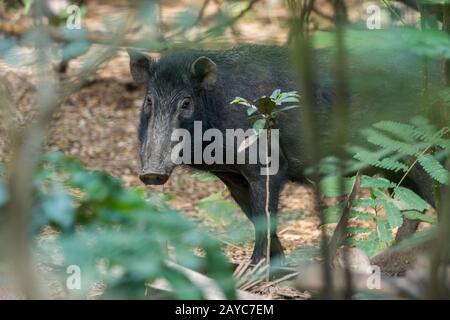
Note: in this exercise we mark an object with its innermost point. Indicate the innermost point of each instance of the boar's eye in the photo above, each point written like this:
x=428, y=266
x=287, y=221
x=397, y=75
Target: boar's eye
x=186, y=103
x=148, y=104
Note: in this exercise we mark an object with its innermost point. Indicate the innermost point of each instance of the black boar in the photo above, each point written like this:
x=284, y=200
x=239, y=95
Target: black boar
x=198, y=85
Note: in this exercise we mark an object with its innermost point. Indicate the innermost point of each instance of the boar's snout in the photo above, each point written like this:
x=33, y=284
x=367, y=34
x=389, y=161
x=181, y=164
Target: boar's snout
x=149, y=176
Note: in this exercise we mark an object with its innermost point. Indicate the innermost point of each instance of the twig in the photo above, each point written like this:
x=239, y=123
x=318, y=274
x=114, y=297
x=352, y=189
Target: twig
x=57, y=35
x=274, y=282
x=202, y=11
x=228, y=23
x=321, y=14
x=241, y=269
x=341, y=119
x=208, y=287
x=266, y=208
x=438, y=275
x=393, y=11
x=439, y=135
x=304, y=65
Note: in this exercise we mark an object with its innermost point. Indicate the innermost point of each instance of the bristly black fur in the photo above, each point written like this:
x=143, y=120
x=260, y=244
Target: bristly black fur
x=251, y=71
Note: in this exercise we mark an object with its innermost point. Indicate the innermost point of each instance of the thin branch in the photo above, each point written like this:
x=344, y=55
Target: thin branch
x=95, y=37
x=201, y=13
x=304, y=64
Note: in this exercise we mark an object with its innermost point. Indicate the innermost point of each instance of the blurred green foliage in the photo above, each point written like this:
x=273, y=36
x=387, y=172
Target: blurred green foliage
x=115, y=235
x=396, y=147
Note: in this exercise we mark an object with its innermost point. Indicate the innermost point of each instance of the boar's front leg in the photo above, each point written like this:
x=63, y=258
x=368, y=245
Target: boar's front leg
x=257, y=188
x=251, y=199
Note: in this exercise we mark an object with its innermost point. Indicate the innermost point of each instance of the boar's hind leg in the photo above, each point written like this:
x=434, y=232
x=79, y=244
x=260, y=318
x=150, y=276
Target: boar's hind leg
x=251, y=201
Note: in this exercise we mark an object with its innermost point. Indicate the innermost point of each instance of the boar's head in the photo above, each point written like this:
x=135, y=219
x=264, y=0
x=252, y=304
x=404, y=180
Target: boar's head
x=174, y=99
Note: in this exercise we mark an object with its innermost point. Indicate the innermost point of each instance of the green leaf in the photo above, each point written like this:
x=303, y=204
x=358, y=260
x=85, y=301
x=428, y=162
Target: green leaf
x=361, y=215
x=247, y=142
x=333, y=213
x=380, y=139
x=251, y=111
x=391, y=164
x=366, y=202
x=75, y=49
x=242, y=101
x=358, y=230
x=384, y=232
x=217, y=208
x=369, y=246
x=122, y=230
x=27, y=4
x=330, y=186
x=414, y=215
x=285, y=109
x=408, y=200
x=259, y=125
x=374, y=159
x=265, y=105
x=393, y=214
x=376, y=183
x=275, y=94
x=380, y=195
x=186, y=19
x=287, y=97
x=434, y=168
x=181, y=285
x=58, y=207
x=405, y=131
x=205, y=176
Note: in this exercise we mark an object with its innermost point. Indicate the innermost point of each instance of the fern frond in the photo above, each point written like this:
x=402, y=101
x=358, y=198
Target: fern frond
x=376, y=183
x=375, y=159
x=358, y=230
x=384, y=233
x=414, y=215
x=422, y=123
x=434, y=168
x=361, y=215
x=409, y=200
x=378, y=138
x=403, y=131
x=393, y=214
x=391, y=164
x=367, y=156
x=333, y=213
x=366, y=202
x=394, y=147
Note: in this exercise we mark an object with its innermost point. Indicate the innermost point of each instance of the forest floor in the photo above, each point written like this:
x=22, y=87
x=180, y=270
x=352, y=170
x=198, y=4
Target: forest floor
x=98, y=126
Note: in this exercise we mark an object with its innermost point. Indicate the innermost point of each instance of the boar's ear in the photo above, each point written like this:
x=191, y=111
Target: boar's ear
x=205, y=70
x=139, y=65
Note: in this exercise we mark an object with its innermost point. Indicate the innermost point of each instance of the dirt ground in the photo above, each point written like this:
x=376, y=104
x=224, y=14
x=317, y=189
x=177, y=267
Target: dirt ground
x=98, y=126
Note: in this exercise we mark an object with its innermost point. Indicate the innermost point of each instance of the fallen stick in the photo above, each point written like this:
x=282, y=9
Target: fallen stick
x=208, y=287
